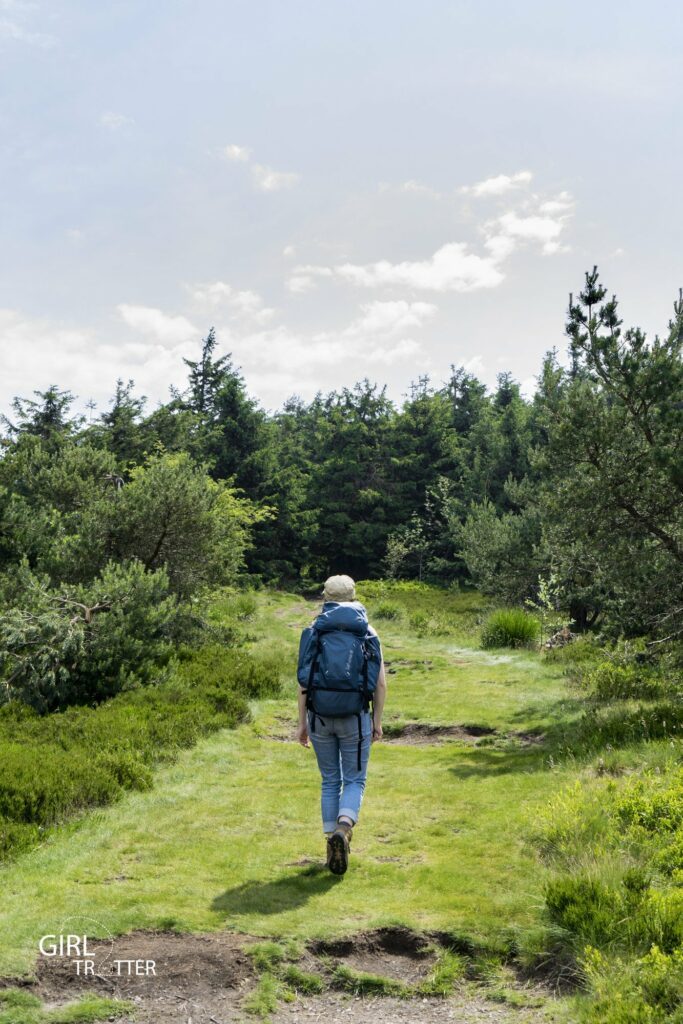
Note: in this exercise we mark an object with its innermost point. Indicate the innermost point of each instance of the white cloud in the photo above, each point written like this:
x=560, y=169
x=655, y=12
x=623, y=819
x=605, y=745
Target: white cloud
x=239, y=303
x=451, y=268
x=303, y=277
x=500, y=246
x=474, y=365
x=541, y=221
x=168, y=329
x=279, y=360
x=268, y=180
x=289, y=252
x=113, y=121
x=81, y=360
x=237, y=154
x=410, y=186
x=537, y=229
x=13, y=30
x=529, y=387
x=536, y=220
x=392, y=317
x=561, y=203
x=498, y=185
x=265, y=179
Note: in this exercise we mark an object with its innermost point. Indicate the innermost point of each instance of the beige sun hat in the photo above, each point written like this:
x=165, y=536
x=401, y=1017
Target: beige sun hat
x=339, y=588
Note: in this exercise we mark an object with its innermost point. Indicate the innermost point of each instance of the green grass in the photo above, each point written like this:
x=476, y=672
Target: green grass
x=362, y=983
x=217, y=842
x=449, y=969
x=266, y=996
x=510, y=627
x=20, y=1007
x=303, y=982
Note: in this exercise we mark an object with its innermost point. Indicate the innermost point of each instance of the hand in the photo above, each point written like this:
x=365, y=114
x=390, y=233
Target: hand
x=377, y=731
x=302, y=735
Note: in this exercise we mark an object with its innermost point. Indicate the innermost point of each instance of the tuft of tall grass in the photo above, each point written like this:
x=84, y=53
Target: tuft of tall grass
x=510, y=627
x=388, y=610
x=361, y=983
x=20, y=1007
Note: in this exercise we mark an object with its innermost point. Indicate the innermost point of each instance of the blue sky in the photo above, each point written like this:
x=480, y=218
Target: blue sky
x=352, y=189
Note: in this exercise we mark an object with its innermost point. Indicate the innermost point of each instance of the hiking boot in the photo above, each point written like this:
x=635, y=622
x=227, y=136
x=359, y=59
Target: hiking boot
x=338, y=849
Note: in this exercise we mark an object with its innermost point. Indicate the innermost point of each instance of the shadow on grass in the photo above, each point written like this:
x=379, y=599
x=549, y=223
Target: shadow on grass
x=276, y=897
x=488, y=761
x=569, y=735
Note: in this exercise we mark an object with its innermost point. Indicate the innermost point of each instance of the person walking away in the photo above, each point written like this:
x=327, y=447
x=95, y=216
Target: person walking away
x=340, y=674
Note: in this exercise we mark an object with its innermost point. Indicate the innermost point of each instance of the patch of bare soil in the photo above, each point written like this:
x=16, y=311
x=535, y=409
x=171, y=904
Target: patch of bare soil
x=399, y=664
x=529, y=739
x=203, y=979
x=336, y=1008
x=420, y=733
x=169, y=977
x=395, y=953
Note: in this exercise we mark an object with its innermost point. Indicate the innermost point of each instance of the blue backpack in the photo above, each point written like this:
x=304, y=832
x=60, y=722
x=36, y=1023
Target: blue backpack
x=339, y=663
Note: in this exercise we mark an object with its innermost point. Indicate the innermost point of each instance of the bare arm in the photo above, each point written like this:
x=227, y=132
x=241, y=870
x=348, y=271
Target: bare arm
x=302, y=725
x=378, y=703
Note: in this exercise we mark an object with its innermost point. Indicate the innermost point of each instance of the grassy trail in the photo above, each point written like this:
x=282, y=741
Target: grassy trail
x=230, y=835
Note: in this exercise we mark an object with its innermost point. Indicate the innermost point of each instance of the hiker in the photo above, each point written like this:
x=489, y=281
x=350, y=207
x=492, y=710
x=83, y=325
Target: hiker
x=340, y=673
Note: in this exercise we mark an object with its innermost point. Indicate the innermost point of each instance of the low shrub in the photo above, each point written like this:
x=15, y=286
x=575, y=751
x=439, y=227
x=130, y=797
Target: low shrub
x=646, y=990
x=631, y=915
x=510, y=627
x=387, y=610
x=610, y=681
x=82, y=644
x=239, y=606
x=629, y=722
x=52, y=766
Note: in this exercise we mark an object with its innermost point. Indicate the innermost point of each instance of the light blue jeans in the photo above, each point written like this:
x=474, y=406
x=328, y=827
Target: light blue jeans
x=336, y=749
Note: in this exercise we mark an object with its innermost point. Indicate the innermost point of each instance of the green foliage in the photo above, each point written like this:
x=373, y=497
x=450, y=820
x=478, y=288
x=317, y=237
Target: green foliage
x=361, y=983
x=303, y=982
x=647, y=990
x=88, y=1010
x=609, y=681
x=266, y=997
x=449, y=969
x=388, y=610
x=632, y=915
x=19, y=997
x=611, y=467
x=46, y=418
x=266, y=955
x=617, y=853
x=510, y=627
x=79, y=644
x=18, y=1006
x=53, y=766
x=257, y=674
x=172, y=515
x=577, y=486
x=502, y=551
x=425, y=624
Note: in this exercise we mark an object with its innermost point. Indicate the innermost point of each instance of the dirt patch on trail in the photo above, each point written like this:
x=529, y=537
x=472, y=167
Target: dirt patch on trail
x=420, y=733
x=197, y=977
x=395, y=953
x=334, y=1007
x=205, y=978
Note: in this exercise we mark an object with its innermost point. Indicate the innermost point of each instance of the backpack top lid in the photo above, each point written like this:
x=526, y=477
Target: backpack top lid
x=347, y=615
